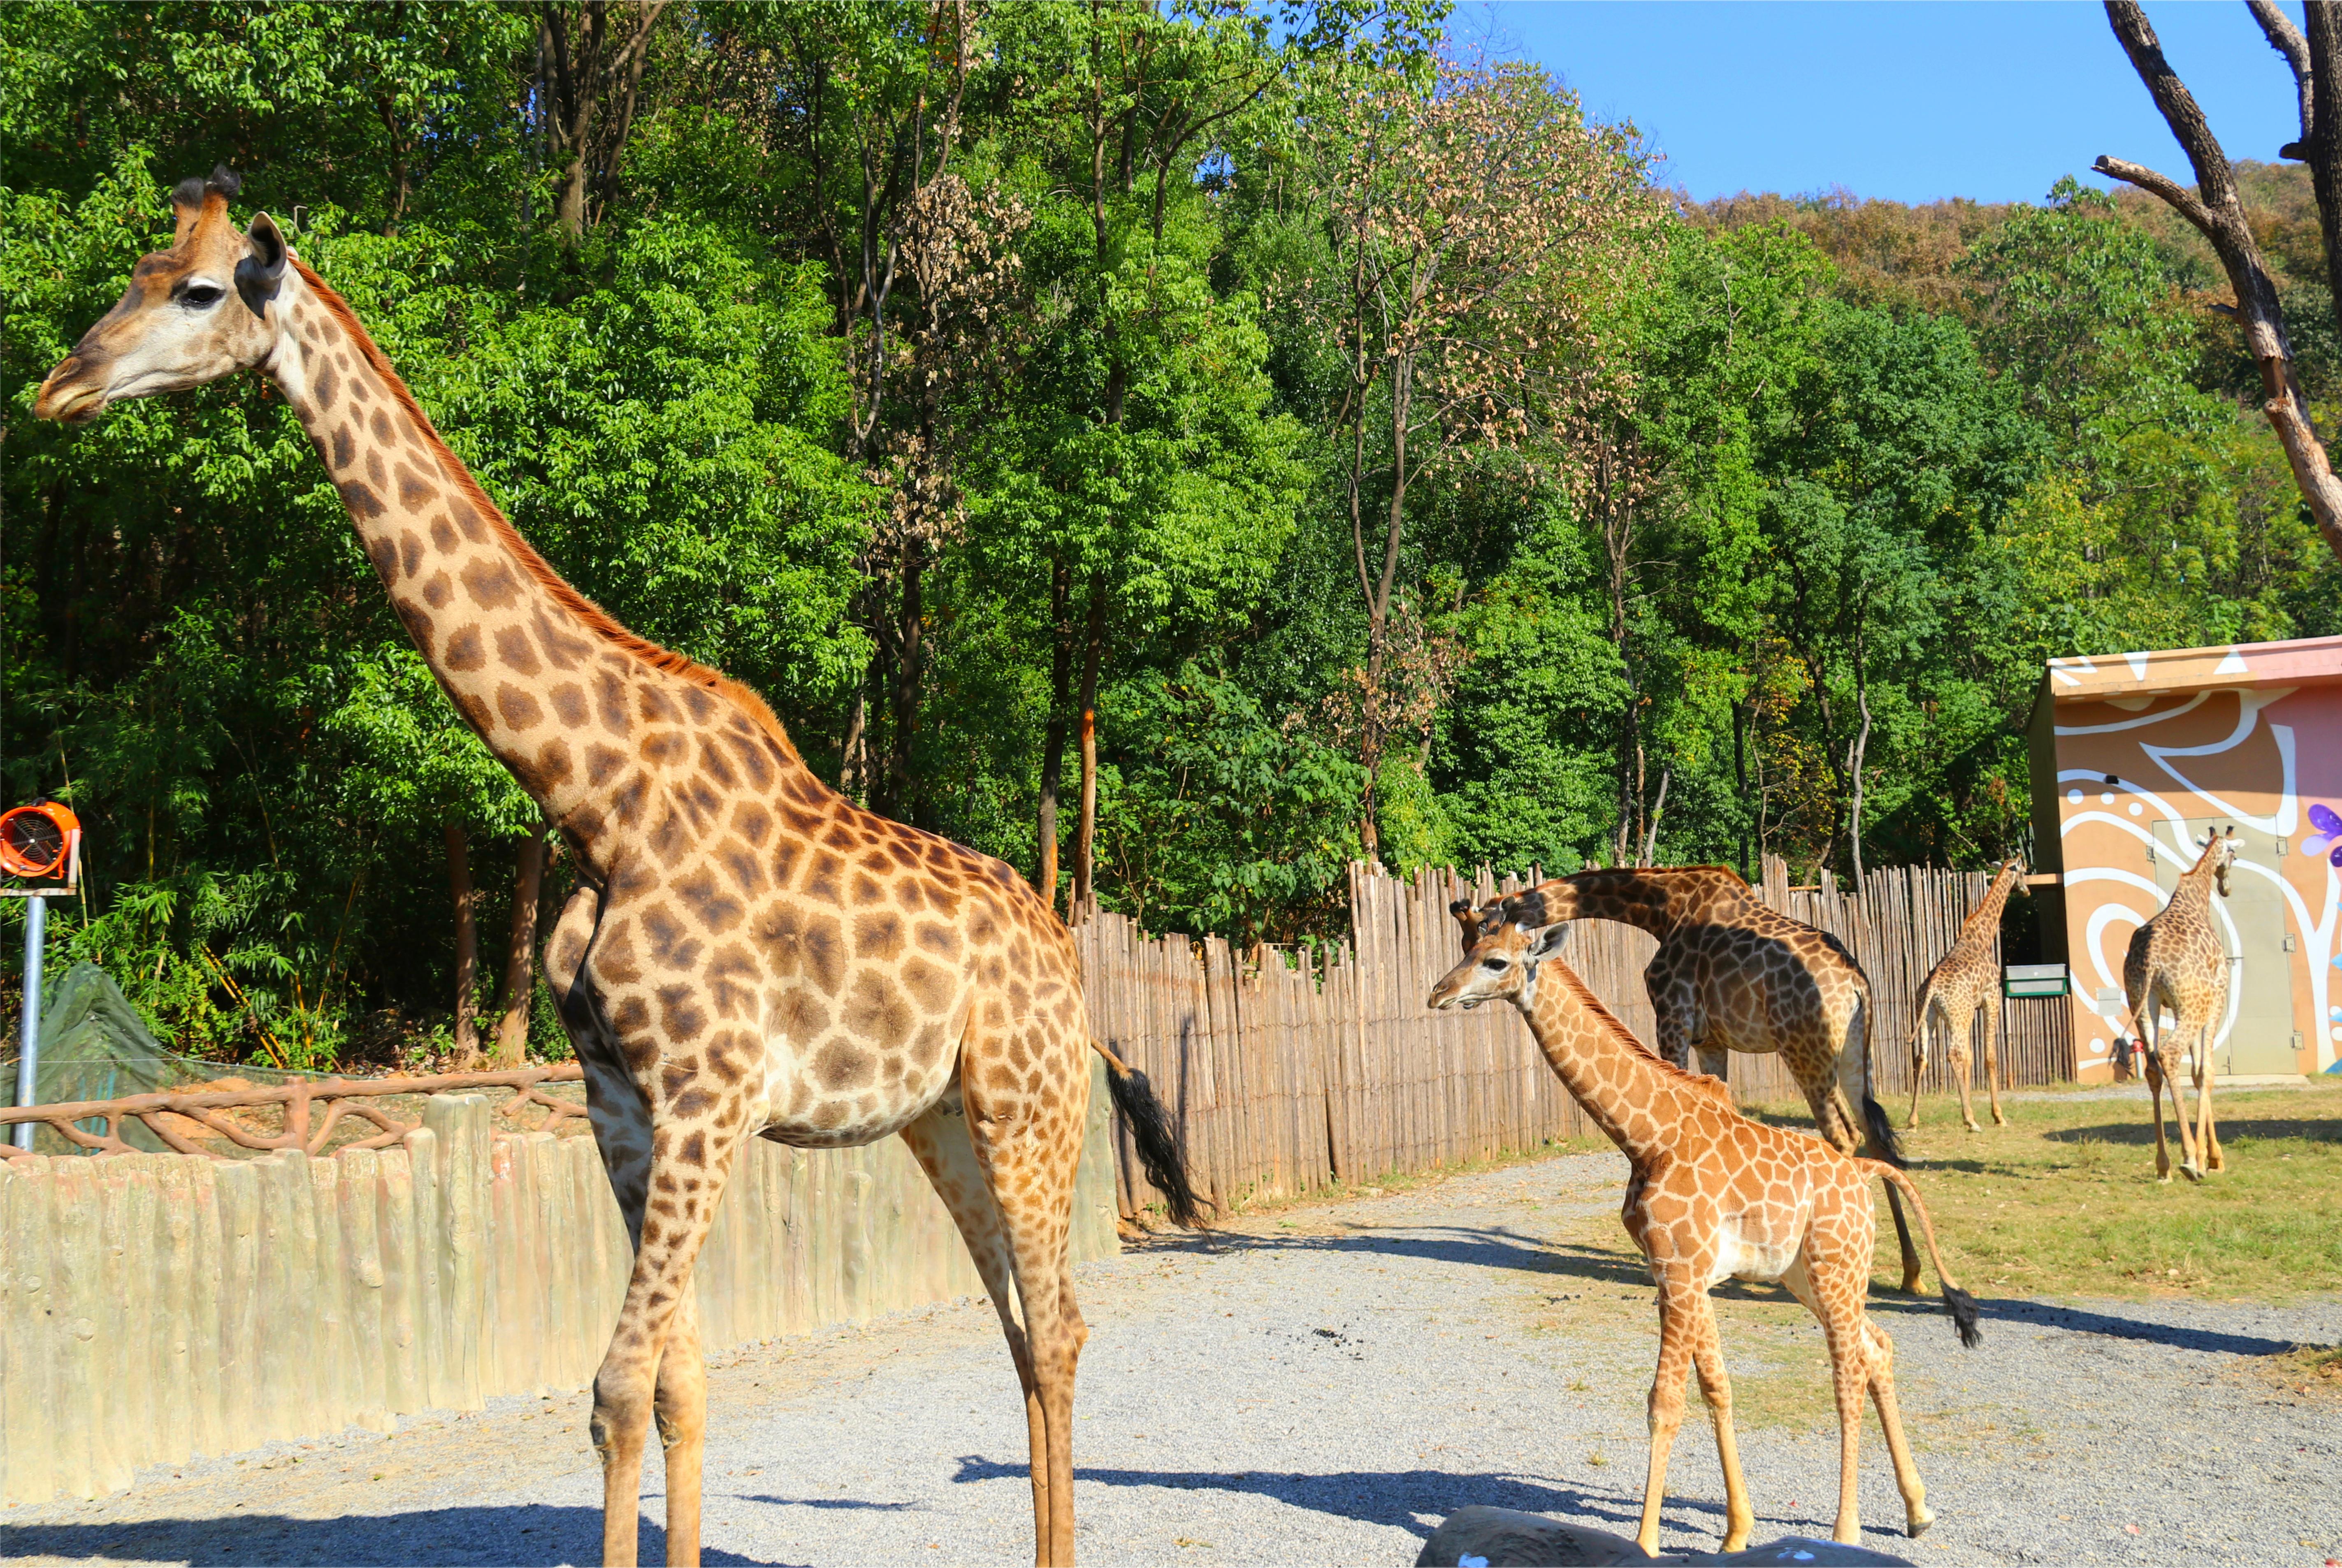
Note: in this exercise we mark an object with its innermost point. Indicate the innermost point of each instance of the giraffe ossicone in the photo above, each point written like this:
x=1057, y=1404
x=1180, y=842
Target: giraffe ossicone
x=1713, y=1196
x=748, y=953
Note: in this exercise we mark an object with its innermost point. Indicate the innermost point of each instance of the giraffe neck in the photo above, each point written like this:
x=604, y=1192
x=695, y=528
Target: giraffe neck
x=1657, y=902
x=588, y=717
x=1633, y=1096
x=1984, y=920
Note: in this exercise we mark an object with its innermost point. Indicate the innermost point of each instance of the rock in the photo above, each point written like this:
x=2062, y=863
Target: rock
x=1508, y=1538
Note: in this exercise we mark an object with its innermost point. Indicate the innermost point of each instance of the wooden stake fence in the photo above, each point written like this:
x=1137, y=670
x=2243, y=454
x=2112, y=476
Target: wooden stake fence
x=1288, y=1071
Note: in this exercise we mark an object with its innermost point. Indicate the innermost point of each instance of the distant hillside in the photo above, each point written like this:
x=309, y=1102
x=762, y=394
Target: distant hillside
x=1901, y=256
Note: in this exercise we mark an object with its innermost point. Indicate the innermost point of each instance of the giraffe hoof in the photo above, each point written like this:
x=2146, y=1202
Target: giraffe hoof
x=1919, y=1523
x=2191, y=1172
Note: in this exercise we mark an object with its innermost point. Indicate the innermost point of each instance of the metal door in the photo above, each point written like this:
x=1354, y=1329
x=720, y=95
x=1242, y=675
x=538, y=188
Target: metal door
x=2258, y=1035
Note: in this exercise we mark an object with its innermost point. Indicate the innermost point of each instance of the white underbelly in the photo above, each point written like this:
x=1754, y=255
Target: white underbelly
x=1742, y=1256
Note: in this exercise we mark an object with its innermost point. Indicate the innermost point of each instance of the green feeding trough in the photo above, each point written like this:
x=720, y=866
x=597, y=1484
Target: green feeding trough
x=2034, y=979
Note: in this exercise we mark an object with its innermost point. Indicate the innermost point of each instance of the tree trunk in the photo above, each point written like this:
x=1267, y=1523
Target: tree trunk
x=1658, y=809
x=1086, y=830
x=520, y=957
x=1053, y=743
x=2217, y=211
x=1854, y=753
x=853, y=772
x=910, y=634
x=468, y=949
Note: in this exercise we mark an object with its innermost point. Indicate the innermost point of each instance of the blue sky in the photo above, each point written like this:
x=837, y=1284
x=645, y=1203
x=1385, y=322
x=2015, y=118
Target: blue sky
x=1912, y=101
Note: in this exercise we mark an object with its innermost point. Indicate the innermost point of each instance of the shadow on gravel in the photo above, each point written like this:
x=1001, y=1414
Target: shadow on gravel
x=1492, y=1247
x=1410, y=1500
x=529, y=1535
x=2080, y=1320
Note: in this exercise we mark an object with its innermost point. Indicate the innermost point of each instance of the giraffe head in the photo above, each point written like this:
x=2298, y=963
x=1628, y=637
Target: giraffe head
x=1504, y=944
x=2219, y=853
x=192, y=315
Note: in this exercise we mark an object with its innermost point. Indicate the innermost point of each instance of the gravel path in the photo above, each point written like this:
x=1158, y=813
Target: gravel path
x=1324, y=1386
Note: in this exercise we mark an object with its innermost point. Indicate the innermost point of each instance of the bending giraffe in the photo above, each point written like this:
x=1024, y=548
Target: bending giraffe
x=2177, y=962
x=1734, y=974
x=1963, y=984
x=747, y=953
x=1713, y=1197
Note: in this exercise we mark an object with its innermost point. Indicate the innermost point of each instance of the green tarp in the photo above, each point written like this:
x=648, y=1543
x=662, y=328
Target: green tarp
x=95, y=1046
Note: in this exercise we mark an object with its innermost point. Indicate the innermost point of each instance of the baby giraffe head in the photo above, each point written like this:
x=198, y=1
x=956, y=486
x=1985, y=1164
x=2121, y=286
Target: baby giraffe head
x=1503, y=946
x=192, y=315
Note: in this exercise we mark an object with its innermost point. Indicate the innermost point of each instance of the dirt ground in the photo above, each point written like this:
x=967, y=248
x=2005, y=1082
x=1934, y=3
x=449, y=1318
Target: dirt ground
x=1323, y=1383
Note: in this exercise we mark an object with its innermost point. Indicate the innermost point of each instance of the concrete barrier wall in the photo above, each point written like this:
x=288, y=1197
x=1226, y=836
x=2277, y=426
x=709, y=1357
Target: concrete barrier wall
x=155, y=1307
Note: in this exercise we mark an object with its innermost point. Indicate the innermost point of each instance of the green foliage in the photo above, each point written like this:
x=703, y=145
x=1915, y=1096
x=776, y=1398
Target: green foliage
x=1799, y=495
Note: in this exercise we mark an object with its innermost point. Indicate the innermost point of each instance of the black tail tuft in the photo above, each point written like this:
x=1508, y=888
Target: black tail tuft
x=1157, y=1146
x=1883, y=1143
x=1963, y=1308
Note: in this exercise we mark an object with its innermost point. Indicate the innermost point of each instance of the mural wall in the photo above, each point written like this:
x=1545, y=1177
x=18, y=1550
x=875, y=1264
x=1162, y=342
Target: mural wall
x=2145, y=754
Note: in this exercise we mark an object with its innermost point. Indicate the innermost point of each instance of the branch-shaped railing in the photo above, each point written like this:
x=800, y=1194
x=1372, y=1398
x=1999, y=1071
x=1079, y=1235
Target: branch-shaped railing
x=305, y=1127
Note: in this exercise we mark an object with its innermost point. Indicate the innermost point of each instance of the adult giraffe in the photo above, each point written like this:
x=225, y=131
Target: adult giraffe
x=2177, y=961
x=748, y=953
x=1963, y=984
x=1713, y=1197
x=1733, y=973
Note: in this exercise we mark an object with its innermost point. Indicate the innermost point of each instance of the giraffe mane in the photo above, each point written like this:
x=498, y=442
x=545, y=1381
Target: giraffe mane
x=1584, y=996
x=596, y=618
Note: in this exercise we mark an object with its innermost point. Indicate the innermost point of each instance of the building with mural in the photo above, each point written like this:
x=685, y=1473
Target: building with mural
x=2136, y=757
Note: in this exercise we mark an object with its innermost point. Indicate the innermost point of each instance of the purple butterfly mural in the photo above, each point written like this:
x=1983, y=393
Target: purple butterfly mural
x=2327, y=840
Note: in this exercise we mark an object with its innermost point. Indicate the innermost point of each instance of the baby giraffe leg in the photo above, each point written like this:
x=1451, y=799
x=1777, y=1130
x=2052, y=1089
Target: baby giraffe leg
x=2190, y=1165
x=1707, y=1356
x=1849, y=1376
x=1880, y=1351
x=2155, y=1101
x=1667, y=1406
x=1918, y=1070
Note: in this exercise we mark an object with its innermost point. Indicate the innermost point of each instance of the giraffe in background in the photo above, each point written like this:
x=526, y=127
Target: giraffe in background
x=1964, y=983
x=2177, y=961
x=1713, y=1197
x=748, y=953
x=1732, y=973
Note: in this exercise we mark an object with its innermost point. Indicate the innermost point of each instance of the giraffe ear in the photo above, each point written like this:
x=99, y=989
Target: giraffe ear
x=262, y=269
x=1547, y=943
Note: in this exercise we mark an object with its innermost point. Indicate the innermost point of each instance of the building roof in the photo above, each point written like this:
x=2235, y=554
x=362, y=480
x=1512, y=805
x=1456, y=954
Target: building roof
x=2298, y=662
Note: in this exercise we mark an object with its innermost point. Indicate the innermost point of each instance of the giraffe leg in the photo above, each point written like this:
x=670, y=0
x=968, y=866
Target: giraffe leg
x=681, y=1409
x=2206, y=1148
x=625, y=1388
x=1879, y=1356
x=1849, y=1377
x=2153, y=1067
x=939, y=1141
x=2190, y=1165
x=1707, y=1359
x=1992, y=1056
x=1676, y=1333
x=1919, y=1068
x=1716, y=1062
x=1962, y=1060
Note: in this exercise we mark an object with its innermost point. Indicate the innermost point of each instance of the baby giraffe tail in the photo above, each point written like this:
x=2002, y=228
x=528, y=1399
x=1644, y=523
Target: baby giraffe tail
x=1957, y=1302
x=1152, y=1137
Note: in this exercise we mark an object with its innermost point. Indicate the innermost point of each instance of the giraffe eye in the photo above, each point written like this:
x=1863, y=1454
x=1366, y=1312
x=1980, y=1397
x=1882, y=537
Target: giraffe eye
x=201, y=296
x=1496, y=964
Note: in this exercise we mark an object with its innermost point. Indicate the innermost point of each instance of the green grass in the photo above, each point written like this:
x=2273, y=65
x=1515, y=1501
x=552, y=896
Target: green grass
x=2064, y=1200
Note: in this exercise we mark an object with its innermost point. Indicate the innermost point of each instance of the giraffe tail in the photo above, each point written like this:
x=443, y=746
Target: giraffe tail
x=1887, y=1147
x=1956, y=1302
x=1151, y=1135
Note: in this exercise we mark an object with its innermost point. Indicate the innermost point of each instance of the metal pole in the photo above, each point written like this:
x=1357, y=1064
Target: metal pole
x=28, y=1060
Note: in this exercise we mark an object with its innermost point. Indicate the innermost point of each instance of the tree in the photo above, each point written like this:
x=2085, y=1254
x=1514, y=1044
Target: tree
x=1463, y=228
x=2216, y=210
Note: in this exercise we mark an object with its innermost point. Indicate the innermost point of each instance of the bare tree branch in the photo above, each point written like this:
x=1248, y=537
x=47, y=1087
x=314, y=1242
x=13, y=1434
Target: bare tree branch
x=2286, y=40
x=2218, y=210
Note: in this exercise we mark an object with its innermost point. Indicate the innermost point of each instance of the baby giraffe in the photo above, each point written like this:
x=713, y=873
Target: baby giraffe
x=1713, y=1197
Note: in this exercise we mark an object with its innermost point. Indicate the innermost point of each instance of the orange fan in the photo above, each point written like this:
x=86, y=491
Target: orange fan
x=36, y=840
